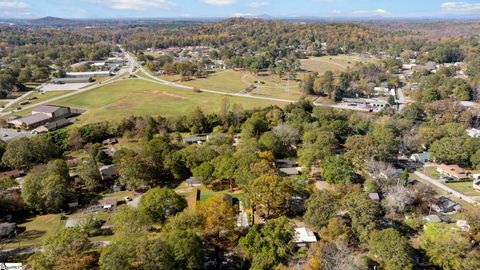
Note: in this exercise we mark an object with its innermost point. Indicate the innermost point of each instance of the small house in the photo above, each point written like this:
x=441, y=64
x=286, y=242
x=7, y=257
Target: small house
x=108, y=172
x=476, y=184
x=473, y=132
x=304, y=237
x=432, y=218
x=110, y=141
x=194, y=182
x=420, y=157
x=7, y=229
x=193, y=140
x=108, y=204
x=445, y=205
x=374, y=196
x=285, y=172
x=453, y=171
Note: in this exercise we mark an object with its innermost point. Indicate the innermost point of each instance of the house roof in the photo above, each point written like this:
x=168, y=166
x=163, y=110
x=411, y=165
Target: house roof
x=11, y=173
x=289, y=171
x=32, y=119
x=422, y=156
x=445, y=204
x=374, y=196
x=304, y=235
x=454, y=171
x=432, y=218
x=45, y=109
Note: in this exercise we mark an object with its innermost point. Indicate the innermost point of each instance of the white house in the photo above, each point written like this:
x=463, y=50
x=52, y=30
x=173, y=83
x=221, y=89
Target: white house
x=304, y=237
x=473, y=132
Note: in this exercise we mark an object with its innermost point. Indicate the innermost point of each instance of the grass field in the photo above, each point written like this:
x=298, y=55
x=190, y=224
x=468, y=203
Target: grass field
x=139, y=97
x=36, y=231
x=333, y=63
x=225, y=81
x=40, y=97
x=464, y=188
x=235, y=81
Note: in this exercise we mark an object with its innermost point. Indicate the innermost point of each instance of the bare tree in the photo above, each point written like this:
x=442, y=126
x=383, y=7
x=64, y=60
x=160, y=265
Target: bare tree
x=398, y=199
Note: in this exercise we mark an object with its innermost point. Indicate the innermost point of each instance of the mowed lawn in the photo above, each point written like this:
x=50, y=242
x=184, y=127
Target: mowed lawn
x=464, y=188
x=139, y=97
x=273, y=86
x=226, y=81
x=36, y=231
x=335, y=63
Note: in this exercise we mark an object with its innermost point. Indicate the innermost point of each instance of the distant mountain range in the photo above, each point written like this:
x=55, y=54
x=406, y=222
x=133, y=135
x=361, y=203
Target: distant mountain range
x=55, y=21
x=51, y=21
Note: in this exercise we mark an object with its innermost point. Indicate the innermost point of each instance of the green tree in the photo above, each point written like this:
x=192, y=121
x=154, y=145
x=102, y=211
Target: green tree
x=161, y=203
x=321, y=207
x=337, y=170
x=269, y=246
x=26, y=152
x=88, y=172
x=62, y=245
x=130, y=221
x=269, y=194
x=447, y=248
x=363, y=212
x=391, y=249
x=46, y=188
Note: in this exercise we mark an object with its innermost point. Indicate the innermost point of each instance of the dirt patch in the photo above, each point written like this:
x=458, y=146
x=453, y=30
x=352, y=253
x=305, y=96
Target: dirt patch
x=163, y=93
x=121, y=106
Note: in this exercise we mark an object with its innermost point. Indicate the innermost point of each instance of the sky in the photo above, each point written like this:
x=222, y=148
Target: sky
x=236, y=8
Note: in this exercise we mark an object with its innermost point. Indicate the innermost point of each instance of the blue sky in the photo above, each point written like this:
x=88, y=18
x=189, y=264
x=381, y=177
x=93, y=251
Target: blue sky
x=230, y=8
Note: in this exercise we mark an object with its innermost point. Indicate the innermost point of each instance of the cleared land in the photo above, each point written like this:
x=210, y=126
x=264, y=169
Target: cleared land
x=335, y=63
x=236, y=81
x=139, y=97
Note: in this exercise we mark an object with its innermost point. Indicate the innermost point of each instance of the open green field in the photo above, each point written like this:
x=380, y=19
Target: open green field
x=464, y=188
x=140, y=97
x=236, y=81
x=40, y=97
x=272, y=86
x=225, y=81
x=36, y=231
x=335, y=63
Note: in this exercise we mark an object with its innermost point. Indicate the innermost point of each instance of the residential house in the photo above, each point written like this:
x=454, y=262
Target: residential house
x=193, y=139
x=420, y=157
x=453, y=171
x=304, y=237
x=432, y=218
x=108, y=204
x=12, y=173
x=285, y=172
x=108, y=172
x=473, y=132
x=7, y=229
x=476, y=184
x=445, y=205
x=110, y=141
x=366, y=102
x=194, y=182
x=374, y=196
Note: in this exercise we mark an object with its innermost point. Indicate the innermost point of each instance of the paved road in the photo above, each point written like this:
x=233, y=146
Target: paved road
x=440, y=185
x=94, y=86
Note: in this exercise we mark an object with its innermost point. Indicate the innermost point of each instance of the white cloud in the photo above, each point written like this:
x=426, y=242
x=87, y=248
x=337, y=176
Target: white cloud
x=258, y=4
x=238, y=14
x=219, y=2
x=460, y=7
x=378, y=11
x=135, y=5
x=13, y=4
x=335, y=12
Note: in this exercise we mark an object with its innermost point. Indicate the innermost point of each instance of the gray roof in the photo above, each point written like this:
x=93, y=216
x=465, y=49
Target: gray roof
x=34, y=118
x=46, y=109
